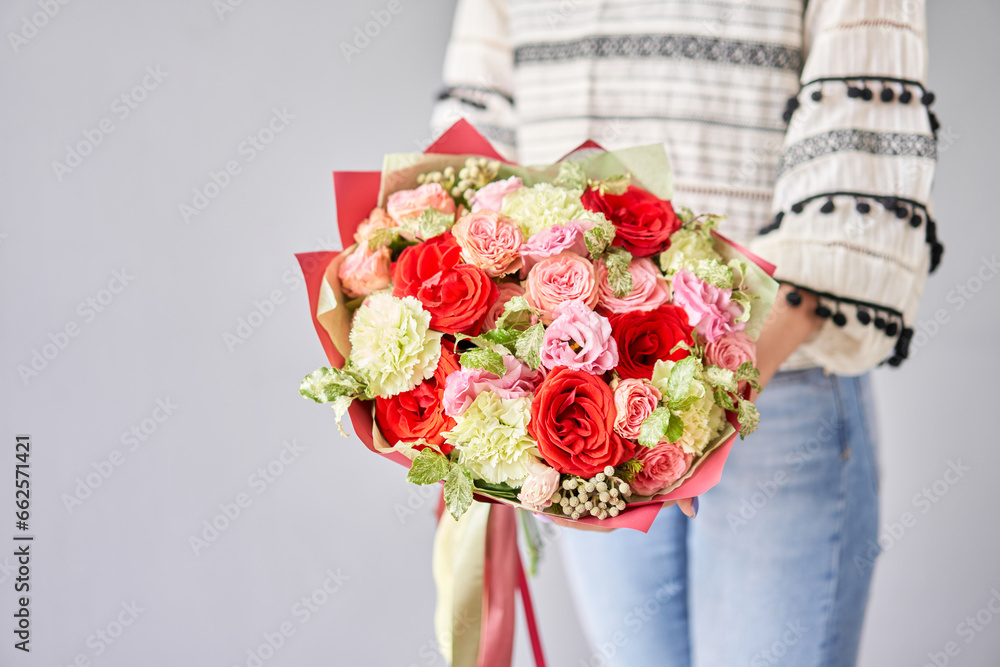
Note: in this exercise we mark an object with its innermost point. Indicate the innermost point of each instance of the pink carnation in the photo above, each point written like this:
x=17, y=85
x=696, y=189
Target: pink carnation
x=554, y=240
x=730, y=351
x=662, y=465
x=507, y=292
x=649, y=288
x=407, y=203
x=462, y=387
x=363, y=271
x=542, y=482
x=634, y=401
x=564, y=277
x=490, y=197
x=377, y=219
x=490, y=241
x=580, y=339
x=710, y=309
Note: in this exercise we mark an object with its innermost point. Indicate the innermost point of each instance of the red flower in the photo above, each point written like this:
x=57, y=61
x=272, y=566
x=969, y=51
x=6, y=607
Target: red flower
x=645, y=337
x=456, y=295
x=643, y=221
x=572, y=418
x=419, y=413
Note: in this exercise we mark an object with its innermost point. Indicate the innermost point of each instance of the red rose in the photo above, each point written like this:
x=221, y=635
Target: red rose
x=645, y=337
x=456, y=295
x=572, y=418
x=644, y=222
x=419, y=413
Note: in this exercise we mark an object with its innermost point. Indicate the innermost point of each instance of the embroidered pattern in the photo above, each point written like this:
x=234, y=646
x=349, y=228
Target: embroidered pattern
x=862, y=141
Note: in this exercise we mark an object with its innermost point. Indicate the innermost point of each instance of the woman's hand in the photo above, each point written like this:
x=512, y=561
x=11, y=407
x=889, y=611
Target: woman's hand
x=785, y=328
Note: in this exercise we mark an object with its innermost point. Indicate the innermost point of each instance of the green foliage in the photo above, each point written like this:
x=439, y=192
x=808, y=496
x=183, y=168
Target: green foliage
x=458, y=491
x=529, y=345
x=428, y=467
x=486, y=359
x=619, y=278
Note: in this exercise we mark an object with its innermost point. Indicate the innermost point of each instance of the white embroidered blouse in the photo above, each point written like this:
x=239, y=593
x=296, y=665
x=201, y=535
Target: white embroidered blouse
x=808, y=124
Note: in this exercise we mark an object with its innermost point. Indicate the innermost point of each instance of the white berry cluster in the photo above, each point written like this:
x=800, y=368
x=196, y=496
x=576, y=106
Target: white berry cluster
x=602, y=495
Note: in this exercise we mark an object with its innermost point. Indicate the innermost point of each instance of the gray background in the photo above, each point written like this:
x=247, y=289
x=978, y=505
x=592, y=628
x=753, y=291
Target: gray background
x=336, y=507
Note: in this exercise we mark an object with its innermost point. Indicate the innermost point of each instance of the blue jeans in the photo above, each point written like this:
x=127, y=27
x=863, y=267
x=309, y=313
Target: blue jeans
x=774, y=570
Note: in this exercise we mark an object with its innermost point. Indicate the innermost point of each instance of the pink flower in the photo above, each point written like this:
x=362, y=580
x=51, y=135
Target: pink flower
x=662, y=465
x=490, y=241
x=543, y=481
x=363, y=271
x=507, y=292
x=490, y=197
x=554, y=240
x=709, y=308
x=377, y=219
x=462, y=387
x=649, y=288
x=634, y=401
x=563, y=277
x=407, y=203
x=730, y=351
x=580, y=339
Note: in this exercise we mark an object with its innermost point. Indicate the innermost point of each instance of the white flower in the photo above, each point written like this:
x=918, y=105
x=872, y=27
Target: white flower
x=687, y=248
x=392, y=345
x=542, y=206
x=492, y=438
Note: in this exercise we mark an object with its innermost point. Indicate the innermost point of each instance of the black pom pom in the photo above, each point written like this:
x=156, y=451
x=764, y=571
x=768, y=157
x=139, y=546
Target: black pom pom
x=866, y=94
x=778, y=218
x=839, y=319
x=823, y=311
x=827, y=207
x=895, y=360
x=916, y=220
x=886, y=95
x=853, y=92
x=880, y=322
x=901, y=212
x=817, y=95
x=905, y=96
x=792, y=103
x=864, y=316
x=794, y=299
x=786, y=115
x=892, y=329
x=798, y=207
x=930, y=231
x=927, y=98
x=863, y=207
x=935, y=125
x=890, y=204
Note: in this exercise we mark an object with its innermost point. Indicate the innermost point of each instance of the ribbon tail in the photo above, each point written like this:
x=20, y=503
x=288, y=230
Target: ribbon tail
x=459, y=565
x=503, y=564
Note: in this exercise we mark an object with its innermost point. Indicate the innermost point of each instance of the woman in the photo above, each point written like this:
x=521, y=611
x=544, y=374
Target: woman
x=809, y=126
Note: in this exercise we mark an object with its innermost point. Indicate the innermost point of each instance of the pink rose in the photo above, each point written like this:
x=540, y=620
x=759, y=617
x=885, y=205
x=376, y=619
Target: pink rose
x=363, y=271
x=563, y=277
x=462, y=386
x=730, y=351
x=710, y=309
x=649, y=288
x=662, y=465
x=490, y=197
x=490, y=241
x=507, y=292
x=377, y=219
x=407, y=203
x=634, y=401
x=543, y=481
x=554, y=240
x=580, y=339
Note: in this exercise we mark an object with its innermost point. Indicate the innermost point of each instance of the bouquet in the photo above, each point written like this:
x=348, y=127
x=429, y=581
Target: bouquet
x=557, y=338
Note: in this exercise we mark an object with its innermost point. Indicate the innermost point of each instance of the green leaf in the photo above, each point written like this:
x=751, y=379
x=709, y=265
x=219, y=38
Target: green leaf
x=675, y=429
x=628, y=470
x=721, y=377
x=529, y=345
x=516, y=312
x=714, y=272
x=571, y=177
x=619, y=279
x=600, y=235
x=654, y=427
x=384, y=236
x=327, y=384
x=748, y=373
x=748, y=418
x=681, y=376
x=488, y=360
x=724, y=400
x=506, y=337
x=497, y=490
x=341, y=405
x=458, y=491
x=428, y=467
x=433, y=222
x=615, y=185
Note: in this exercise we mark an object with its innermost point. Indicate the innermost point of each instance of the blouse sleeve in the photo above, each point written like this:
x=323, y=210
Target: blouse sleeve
x=478, y=72
x=853, y=216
